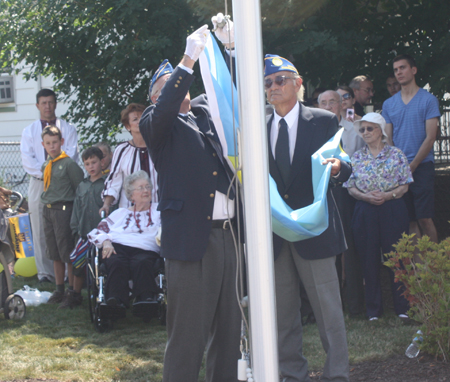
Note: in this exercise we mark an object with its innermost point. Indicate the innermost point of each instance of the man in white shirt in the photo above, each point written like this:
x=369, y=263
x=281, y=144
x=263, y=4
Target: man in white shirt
x=33, y=156
x=353, y=288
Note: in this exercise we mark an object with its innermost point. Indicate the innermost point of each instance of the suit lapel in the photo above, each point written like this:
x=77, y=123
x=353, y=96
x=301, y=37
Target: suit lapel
x=305, y=134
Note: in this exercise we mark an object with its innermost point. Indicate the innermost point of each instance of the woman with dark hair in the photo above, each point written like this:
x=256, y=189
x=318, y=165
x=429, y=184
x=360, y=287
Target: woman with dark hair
x=348, y=102
x=129, y=157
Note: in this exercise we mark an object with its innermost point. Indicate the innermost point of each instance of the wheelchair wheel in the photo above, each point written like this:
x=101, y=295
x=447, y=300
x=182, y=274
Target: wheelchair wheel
x=15, y=308
x=91, y=281
x=162, y=310
x=101, y=324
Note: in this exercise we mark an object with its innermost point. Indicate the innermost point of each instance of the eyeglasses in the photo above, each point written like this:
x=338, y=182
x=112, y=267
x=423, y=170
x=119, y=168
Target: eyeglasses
x=331, y=103
x=143, y=188
x=368, y=128
x=346, y=96
x=279, y=80
x=368, y=90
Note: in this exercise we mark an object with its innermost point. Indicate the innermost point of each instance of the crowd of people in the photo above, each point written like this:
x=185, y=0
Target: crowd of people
x=172, y=174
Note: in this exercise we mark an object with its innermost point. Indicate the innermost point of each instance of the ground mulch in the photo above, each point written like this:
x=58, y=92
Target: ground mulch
x=397, y=368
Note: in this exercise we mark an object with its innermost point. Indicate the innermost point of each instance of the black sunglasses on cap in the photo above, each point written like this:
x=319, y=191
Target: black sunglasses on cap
x=279, y=80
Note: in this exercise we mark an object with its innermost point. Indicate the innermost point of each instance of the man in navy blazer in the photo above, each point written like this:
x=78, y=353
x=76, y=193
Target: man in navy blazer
x=295, y=133
x=196, y=241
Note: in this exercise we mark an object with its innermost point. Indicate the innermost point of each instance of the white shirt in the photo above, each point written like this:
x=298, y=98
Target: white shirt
x=120, y=227
x=125, y=161
x=32, y=151
x=291, y=119
x=351, y=141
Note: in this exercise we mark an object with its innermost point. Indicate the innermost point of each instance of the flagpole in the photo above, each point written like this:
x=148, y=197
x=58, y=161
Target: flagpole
x=258, y=228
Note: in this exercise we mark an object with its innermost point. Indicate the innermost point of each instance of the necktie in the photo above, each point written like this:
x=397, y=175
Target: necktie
x=282, y=155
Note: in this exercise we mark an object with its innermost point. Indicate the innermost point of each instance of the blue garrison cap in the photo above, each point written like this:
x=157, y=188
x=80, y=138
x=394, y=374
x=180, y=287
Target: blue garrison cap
x=274, y=64
x=164, y=68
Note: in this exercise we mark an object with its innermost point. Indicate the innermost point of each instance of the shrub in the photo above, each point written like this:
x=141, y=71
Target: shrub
x=424, y=268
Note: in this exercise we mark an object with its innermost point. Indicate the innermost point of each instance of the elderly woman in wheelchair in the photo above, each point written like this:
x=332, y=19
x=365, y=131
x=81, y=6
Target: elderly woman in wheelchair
x=129, y=249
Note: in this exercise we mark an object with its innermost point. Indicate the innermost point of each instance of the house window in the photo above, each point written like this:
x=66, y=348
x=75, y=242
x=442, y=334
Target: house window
x=6, y=89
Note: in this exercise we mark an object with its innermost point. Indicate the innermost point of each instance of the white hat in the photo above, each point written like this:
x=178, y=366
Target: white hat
x=373, y=118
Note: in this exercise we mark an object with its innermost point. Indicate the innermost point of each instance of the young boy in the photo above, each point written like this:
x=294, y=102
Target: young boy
x=61, y=179
x=107, y=156
x=85, y=217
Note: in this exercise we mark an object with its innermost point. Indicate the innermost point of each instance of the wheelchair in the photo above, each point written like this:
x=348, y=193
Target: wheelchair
x=11, y=305
x=102, y=315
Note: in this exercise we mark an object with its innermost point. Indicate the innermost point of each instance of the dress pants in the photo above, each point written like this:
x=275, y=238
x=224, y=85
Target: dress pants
x=203, y=312
x=376, y=229
x=43, y=264
x=322, y=286
x=353, y=283
x=129, y=263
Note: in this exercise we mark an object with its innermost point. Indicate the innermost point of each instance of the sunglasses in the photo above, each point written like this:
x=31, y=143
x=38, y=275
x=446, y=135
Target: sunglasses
x=279, y=80
x=368, y=128
x=346, y=96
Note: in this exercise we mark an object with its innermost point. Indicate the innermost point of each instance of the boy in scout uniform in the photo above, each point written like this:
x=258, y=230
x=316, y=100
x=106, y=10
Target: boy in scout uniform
x=61, y=179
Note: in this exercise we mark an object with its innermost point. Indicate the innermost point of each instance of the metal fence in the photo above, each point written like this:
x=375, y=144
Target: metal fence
x=12, y=174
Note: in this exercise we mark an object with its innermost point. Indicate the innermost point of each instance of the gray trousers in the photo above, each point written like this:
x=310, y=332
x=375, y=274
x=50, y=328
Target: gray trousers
x=321, y=283
x=43, y=264
x=202, y=312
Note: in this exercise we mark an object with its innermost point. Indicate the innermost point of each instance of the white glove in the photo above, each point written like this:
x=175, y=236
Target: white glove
x=195, y=43
x=158, y=237
x=223, y=28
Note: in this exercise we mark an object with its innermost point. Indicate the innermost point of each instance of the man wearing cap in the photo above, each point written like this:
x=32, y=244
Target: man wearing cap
x=295, y=133
x=196, y=241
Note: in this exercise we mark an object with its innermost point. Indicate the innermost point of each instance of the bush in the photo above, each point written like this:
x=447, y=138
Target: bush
x=424, y=268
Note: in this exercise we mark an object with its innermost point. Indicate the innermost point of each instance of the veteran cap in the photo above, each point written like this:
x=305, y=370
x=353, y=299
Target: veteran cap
x=274, y=64
x=164, y=68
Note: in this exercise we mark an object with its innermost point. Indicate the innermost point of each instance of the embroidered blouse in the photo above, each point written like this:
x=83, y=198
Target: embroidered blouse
x=126, y=160
x=121, y=227
x=386, y=172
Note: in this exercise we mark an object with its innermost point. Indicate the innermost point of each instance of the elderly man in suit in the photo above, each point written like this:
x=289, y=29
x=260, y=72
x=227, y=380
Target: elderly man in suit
x=295, y=133
x=196, y=241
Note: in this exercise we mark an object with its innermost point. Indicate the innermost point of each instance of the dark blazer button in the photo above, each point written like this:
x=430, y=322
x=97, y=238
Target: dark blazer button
x=209, y=218
x=176, y=85
x=215, y=173
x=211, y=195
x=180, y=78
x=286, y=196
x=214, y=154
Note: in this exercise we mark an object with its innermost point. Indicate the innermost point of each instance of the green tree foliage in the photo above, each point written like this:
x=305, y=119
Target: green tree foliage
x=352, y=37
x=100, y=52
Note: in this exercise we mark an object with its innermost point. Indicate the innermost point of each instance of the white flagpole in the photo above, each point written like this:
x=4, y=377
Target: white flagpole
x=258, y=227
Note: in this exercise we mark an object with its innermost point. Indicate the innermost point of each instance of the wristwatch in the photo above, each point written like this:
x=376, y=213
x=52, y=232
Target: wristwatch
x=394, y=195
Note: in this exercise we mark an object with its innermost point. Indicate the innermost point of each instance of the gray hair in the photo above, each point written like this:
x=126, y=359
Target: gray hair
x=332, y=91
x=356, y=82
x=130, y=179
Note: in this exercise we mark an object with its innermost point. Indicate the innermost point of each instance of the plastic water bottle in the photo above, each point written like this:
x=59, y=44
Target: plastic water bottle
x=414, y=349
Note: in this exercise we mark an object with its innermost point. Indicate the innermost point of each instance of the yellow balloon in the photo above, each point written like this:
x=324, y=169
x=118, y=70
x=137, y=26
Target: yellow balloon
x=25, y=267
x=1, y=268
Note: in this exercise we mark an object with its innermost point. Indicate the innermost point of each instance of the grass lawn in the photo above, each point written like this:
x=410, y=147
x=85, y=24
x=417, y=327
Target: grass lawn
x=63, y=344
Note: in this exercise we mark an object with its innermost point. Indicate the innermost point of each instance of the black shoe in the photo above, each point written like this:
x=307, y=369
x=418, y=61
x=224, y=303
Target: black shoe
x=114, y=302
x=146, y=308
x=45, y=280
